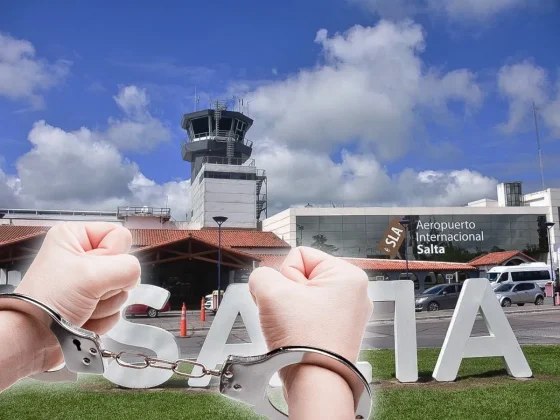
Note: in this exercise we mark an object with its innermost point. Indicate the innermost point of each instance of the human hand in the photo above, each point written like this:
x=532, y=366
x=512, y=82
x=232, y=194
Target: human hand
x=83, y=272
x=315, y=300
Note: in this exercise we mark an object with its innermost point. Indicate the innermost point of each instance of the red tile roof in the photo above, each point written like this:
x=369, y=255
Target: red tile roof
x=497, y=258
x=400, y=265
x=170, y=242
x=230, y=238
x=271, y=260
x=275, y=261
x=10, y=234
x=142, y=238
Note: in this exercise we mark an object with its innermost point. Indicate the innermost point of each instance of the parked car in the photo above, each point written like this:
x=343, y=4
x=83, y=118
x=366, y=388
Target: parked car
x=519, y=294
x=138, y=309
x=443, y=296
x=209, y=302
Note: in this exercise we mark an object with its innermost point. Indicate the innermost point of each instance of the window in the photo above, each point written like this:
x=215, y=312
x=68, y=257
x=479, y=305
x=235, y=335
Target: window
x=459, y=288
x=240, y=125
x=450, y=289
x=523, y=287
x=228, y=175
x=503, y=277
x=493, y=276
x=436, y=290
x=504, y=287
x=530, y=275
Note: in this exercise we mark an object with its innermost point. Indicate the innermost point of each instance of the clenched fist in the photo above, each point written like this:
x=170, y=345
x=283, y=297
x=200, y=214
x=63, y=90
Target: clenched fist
x=82, y=271
x=315, y=300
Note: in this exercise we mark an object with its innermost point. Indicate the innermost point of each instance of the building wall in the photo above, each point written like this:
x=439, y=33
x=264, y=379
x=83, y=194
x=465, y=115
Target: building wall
x=283, y=224
x=356, y=232
x=234, y=198
x=549, y=198
x=457, y=238
x=39, y=221
x=483, y=203
x=197, y=200
x=148, y=223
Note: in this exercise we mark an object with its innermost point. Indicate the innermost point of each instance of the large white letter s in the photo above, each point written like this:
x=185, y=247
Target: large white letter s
x=162, y=342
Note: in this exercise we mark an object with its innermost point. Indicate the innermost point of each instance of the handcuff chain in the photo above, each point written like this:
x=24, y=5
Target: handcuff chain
x=157, y=363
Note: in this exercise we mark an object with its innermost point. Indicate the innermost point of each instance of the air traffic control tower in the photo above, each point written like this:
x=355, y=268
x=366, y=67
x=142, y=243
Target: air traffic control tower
x=224, y=179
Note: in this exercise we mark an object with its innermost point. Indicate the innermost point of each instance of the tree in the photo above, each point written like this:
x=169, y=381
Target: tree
x=321, y=244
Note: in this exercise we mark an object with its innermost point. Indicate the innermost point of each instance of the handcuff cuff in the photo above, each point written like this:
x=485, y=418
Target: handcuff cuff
x=242, y=378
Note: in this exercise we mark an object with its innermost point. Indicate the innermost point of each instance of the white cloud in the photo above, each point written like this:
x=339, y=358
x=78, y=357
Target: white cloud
x=140, y=131
x=84, y=169
x=372, y=87
x=522, y=84
x=132, y=100
x=24, y=76
x=7, y=191
x=459, y=10
x=360, y=179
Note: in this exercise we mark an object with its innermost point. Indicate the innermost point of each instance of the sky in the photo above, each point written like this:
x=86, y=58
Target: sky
x=355, y=102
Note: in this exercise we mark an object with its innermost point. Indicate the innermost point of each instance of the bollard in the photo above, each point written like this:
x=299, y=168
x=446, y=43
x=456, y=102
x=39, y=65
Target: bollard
x=184, y=321
x=557, y=299
x=202, y=311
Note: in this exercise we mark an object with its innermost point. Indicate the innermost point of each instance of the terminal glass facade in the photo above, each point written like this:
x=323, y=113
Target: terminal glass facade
x=457, y=238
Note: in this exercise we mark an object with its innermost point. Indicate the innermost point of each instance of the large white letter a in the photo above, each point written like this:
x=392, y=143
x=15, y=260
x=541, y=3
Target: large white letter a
x=478, y=294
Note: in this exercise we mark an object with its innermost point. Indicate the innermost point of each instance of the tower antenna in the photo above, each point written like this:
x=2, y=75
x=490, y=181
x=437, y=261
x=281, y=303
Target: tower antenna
x=535, y=113
x=196, y=100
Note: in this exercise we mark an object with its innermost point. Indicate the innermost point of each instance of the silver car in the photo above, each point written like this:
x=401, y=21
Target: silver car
x=519, y=294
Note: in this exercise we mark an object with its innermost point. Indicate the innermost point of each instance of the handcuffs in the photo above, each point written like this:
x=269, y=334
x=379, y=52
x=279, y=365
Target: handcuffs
x=244, y=379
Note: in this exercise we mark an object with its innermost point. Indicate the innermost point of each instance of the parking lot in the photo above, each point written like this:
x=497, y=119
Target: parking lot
x=531, y=325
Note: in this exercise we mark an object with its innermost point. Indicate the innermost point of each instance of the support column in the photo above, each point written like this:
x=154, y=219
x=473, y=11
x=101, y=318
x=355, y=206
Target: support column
x=14, y=277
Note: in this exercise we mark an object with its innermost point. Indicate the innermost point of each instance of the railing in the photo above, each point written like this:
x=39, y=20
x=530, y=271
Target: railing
x=221, y=160
x=225, y=134
x=261, y=173
x=261, y=198
x=144, y=211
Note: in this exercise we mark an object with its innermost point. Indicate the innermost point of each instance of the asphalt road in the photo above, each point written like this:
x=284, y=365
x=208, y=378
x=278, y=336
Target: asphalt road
x=542, y=327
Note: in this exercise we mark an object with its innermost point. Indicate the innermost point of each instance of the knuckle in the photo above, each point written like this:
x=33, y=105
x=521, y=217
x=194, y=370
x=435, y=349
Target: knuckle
x=56, y=229
x=134, y=269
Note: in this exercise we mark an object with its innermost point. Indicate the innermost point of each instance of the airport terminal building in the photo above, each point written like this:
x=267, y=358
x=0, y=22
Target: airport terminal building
x=455, y=234
x=443, y=243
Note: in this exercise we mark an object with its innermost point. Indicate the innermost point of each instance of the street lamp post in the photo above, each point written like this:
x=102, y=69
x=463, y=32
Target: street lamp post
x=405, y=223
x=549, y=226
x=220, y=221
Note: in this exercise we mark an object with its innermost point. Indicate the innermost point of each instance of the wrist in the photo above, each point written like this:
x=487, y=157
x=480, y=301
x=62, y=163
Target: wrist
x=315, y=392
x=36, y=347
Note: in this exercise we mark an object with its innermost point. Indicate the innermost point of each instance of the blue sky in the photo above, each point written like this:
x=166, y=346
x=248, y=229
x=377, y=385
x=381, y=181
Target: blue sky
x=137, y=65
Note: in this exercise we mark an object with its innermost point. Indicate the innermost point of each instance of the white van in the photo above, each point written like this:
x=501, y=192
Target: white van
x=538, y=273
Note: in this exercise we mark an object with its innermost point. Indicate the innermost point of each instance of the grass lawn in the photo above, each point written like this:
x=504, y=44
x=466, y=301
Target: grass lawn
x=482, y=391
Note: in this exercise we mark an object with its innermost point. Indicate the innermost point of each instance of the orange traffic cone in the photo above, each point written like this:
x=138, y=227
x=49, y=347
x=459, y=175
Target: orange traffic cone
x=184, y=321
x=202, y=311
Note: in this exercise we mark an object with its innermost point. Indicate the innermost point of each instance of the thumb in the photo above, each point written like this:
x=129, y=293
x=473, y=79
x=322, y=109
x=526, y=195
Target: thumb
x=113, y=272
x=266, y=283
